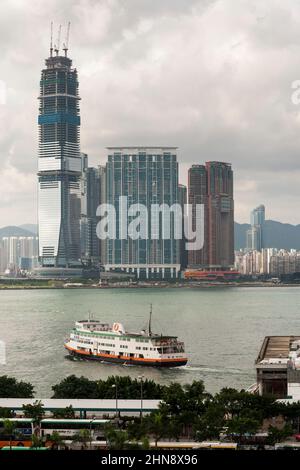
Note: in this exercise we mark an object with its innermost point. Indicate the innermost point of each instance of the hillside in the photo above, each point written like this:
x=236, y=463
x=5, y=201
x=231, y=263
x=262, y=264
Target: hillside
x=276, y=235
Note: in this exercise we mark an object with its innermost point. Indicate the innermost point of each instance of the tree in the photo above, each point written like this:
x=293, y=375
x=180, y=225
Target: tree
x=277, y=435
x=116, y=438
x=83, y=436
x=9, y=429
x=35, y=411
x=157, y=424
x=186, y=403
x=120, y=440
x=56, y=440
x=65, y=413
x=37, y=441
x=239, y=427
x=210, y=424
x=128, y=388
x=75, y=387
x=12, y=388
x=6, y=413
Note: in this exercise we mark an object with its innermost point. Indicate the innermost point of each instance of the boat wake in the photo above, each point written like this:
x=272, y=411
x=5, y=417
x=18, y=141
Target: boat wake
x=212, y=370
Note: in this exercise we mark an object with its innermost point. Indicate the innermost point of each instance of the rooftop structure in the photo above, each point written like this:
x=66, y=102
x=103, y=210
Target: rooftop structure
x=278, y=366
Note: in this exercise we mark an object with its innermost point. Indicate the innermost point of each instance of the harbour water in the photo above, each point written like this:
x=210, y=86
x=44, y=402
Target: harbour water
x=222, y=329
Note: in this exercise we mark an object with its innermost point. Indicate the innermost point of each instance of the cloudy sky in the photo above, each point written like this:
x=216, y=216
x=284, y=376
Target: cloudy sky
x=213, y=77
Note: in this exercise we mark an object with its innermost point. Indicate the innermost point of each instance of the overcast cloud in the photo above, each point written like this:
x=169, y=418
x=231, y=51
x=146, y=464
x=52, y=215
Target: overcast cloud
x=211, y=77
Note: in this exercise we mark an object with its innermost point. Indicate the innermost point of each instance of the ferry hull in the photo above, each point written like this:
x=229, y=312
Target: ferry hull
x=128, y=361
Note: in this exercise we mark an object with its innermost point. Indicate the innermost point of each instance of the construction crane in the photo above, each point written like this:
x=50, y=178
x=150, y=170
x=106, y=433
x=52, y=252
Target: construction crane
x=57, y=46
x=51, y=40
x=66, y=43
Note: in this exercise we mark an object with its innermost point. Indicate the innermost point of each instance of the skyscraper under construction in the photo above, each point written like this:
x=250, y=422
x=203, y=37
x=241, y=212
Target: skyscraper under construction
x=60, y=164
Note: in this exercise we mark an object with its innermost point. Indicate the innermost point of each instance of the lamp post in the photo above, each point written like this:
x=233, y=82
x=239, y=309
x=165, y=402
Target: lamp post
x=91, y=422
x=141, y=378
x=116, y=387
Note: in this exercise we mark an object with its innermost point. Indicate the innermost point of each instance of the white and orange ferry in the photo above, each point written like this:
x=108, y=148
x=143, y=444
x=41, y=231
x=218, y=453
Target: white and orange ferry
x=91, y=339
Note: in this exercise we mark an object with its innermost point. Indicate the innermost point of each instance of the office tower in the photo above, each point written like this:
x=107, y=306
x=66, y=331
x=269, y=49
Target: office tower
x=93, y=196
x=197, y=187
x=212, y=186
x=182, y=199
x=257, y=216
x=145, y=176
x=59, y=163
x=255, y=239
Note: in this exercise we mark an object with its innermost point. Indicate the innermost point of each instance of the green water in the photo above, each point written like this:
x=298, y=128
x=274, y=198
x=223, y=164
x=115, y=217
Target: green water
x=222, y=329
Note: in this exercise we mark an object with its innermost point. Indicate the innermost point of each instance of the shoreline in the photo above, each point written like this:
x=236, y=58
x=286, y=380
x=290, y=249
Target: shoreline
x=150, y=286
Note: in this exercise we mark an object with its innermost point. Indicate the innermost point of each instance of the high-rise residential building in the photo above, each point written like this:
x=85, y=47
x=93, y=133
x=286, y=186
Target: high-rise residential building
x=146, y=176
x=182, y=199
x=60, y=164
x=255, y=235
x=16, y=252
x=212, y=186
x=220, y=214
x=197, y=194
x=93, y=195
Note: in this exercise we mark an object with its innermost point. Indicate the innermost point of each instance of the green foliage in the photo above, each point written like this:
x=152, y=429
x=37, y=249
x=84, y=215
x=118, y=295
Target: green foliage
x=210, y=424
x=127, y=388
x=9, y=427
x=75, y=387
x=36, y=441
x=35, y=411
x=277, y=435
x=65, y=413
x=238, y=427
x=157, y=424
x=244, y=404
x=6, y=413
x=118, y=439
x=12, y=388
x=56, y=440
x=83, y=436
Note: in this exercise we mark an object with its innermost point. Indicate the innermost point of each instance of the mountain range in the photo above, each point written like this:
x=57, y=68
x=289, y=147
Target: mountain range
x=276, y=234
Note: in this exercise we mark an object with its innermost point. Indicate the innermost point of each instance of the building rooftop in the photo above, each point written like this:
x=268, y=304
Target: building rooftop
x=51, y=404
x=275, y=349
x=141, y=147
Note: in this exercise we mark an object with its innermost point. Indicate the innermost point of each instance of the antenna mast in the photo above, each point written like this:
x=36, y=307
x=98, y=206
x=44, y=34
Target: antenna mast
x=150, y=318
x=66, y=43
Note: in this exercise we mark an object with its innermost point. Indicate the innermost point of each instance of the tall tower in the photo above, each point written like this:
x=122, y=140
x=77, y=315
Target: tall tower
x=220, y=214
x=255, y=238
x=60, y=167
x=197, y=184
x=146, y=176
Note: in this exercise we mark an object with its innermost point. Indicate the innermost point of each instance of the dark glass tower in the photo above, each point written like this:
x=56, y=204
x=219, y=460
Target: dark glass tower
x=60, y=166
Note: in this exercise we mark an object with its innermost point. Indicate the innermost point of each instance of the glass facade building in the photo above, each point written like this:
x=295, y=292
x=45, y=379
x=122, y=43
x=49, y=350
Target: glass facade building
x=93, y=194
x=146, y=176
x=60, y=165
x=255, y=238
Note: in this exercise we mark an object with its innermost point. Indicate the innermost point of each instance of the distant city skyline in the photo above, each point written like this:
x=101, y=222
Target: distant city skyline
x=155, y=73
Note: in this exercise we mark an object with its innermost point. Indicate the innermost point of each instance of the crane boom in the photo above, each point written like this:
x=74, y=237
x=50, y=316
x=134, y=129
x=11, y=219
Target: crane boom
x=66, y=43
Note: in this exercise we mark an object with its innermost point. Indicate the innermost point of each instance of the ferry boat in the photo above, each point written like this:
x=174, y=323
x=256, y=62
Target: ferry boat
x=91, y=339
